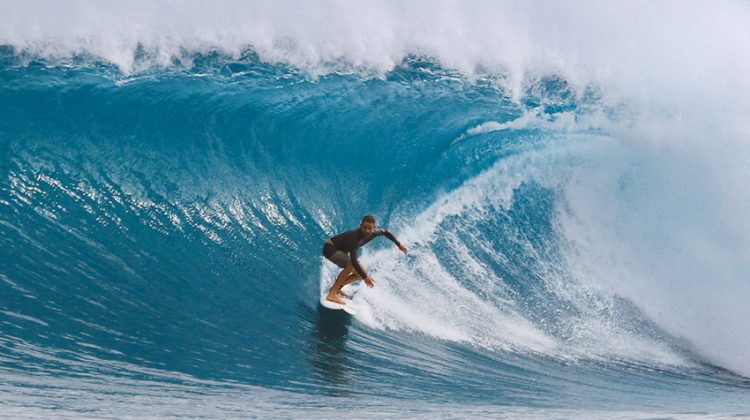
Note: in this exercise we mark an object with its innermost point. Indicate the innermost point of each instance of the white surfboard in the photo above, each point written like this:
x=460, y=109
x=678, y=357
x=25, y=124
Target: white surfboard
x=348, y=307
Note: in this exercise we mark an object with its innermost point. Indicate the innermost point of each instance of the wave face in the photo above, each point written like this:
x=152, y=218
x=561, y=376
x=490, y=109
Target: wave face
x=575, y=220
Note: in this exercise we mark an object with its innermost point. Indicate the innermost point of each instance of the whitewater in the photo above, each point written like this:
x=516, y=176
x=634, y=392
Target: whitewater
x=570, y=179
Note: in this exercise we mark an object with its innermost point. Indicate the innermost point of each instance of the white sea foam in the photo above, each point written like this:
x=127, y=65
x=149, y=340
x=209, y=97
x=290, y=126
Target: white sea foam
x=665, y=231
x=568, y=121
x=641, y=46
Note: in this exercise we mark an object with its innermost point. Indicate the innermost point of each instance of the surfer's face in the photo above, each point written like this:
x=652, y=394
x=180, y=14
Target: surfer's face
x=367, y=228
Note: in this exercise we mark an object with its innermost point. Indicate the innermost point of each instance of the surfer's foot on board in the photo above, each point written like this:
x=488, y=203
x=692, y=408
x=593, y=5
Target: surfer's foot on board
x=343, y=294
x=333, y=297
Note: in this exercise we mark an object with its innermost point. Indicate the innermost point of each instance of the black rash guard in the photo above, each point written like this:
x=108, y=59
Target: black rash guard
x=351, y=240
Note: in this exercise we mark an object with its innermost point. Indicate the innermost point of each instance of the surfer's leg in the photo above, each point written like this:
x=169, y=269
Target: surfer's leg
x=344, y=262
x=333, y=292
x=351, y=278
x=347, y=276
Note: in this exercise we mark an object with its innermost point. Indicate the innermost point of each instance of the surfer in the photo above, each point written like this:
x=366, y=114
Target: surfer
x=343, y=249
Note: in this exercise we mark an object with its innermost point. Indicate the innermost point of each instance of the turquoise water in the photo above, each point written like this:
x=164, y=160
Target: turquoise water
x=161, y=232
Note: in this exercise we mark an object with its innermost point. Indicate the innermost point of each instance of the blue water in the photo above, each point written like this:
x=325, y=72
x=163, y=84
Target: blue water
x=160, y=240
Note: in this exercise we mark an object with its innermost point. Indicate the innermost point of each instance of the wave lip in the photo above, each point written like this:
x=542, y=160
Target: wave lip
x=583, y=42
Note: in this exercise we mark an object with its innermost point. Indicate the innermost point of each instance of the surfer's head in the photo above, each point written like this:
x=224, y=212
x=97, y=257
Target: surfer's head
x=368, y=225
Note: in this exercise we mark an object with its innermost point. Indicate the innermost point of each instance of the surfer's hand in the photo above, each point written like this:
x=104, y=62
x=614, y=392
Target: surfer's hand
x=403, y=249
x=369, y=282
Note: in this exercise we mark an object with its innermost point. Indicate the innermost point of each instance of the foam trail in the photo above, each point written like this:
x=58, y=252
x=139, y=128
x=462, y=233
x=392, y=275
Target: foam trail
x=425, y=296
x=458, y=296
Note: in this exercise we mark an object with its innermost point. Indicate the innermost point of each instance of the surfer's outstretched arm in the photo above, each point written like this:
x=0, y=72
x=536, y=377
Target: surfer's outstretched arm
x=393, y=239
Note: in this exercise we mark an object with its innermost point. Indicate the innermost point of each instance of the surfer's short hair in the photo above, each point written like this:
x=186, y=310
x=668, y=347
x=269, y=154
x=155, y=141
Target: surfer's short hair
x=368, y=219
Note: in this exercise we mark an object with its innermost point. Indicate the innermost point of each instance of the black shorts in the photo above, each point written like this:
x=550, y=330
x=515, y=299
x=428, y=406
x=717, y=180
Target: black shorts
x=336, y=256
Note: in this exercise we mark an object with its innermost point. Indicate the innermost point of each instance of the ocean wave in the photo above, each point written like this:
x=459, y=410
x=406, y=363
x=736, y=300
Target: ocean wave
x=166, y=192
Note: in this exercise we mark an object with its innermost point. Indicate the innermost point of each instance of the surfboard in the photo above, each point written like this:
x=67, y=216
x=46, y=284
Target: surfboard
x=348, y=307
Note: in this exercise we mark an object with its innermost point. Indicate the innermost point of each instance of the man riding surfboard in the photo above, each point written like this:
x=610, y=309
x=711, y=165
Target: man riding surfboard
x=343, y=249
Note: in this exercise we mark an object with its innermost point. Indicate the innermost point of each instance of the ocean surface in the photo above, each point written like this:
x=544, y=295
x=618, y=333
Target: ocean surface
x=572, y=190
